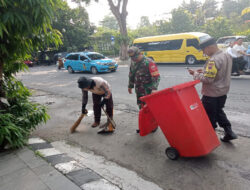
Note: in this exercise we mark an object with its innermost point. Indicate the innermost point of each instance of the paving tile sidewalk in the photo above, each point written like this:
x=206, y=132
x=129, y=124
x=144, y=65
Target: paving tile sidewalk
x=23, y=170
x=45, y=168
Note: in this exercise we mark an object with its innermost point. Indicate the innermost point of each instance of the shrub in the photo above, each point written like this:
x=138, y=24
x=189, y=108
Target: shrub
x=19, y=116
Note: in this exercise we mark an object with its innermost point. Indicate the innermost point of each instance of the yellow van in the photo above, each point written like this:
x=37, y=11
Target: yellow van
x=173, y=48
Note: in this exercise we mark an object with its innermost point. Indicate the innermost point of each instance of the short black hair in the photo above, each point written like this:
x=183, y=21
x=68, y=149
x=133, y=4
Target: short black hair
x=84, y=82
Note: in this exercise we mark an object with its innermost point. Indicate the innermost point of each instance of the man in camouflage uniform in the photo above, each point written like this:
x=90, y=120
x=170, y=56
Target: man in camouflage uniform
x=143, y=75
x=215, y=78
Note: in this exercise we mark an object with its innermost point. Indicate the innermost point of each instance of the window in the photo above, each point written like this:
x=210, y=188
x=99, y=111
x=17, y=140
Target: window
x=83, y=58
x=160, y=46
x=174, y=44
x=193, y=42
x=95, y=56
x=225, y=40
x=73, y=57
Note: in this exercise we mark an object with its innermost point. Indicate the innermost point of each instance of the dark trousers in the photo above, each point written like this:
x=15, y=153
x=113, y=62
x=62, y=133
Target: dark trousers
x=238, y=64
x=235, y=67
x=97, y=106
x=140, y=92
x=214, y=108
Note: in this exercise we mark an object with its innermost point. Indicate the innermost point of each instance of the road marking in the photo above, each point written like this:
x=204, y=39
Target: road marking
x=35, y=141
x=68, y=167
x=120, y=176
x=101, y=184
x=48, y=152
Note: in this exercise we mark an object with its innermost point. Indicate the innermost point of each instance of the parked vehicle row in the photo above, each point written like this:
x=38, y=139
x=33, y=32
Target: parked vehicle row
x=172, y=48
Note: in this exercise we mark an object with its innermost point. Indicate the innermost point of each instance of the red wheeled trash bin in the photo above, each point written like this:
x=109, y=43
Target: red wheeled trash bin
x=182, y=118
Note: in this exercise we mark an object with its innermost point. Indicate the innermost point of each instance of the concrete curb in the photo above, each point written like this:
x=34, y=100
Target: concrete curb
x=83, y=177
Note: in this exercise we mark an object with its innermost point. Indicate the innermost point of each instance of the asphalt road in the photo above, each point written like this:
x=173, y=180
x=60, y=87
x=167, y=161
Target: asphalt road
x=145, y=155
x=61, y=83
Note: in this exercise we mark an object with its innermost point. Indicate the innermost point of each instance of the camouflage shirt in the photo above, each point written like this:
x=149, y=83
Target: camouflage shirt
x=144, y=76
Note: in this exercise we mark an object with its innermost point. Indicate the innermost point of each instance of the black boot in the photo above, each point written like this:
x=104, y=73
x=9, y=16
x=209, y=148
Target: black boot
x=229, y=134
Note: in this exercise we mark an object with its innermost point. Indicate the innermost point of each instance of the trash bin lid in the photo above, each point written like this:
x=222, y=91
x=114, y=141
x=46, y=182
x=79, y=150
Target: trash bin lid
x=171, y=89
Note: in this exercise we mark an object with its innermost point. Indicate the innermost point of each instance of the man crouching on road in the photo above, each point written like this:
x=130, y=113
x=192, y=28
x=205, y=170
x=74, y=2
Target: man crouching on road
x=215, y=77
x=100, y=88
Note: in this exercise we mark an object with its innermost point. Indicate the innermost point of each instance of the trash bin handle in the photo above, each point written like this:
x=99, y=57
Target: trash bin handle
x=185, y=85
x=175, y=88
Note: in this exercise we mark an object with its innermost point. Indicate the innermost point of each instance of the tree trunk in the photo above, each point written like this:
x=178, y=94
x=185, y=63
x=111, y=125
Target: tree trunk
x=121, y=19
x=123, y=52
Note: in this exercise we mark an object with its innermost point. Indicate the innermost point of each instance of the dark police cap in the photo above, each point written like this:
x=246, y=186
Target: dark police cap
x=134, y=51
x=208, y=42
x=84, y=82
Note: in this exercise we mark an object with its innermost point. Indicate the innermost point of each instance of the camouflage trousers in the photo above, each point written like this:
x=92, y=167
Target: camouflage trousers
x=140, y=92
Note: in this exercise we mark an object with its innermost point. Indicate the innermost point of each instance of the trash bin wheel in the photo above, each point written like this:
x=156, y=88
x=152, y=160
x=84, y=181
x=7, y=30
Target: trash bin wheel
x=172, y=153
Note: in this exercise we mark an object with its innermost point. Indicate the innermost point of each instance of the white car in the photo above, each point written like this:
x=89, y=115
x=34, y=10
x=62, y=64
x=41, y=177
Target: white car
x=224, y=42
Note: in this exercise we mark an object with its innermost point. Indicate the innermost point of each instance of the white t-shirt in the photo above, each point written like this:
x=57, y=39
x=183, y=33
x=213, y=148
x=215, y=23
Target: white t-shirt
x=238, y=49
x=232, y=52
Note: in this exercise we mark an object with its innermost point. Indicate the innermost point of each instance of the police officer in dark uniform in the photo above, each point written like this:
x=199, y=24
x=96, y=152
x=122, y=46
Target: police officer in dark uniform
x=215, y=77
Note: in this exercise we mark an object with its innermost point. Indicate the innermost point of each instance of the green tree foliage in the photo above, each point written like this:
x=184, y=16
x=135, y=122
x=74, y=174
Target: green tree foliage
x=242, y=4
x=218, y=27
x=119, y=10
x=110, y=22
x=101, y=41
x=199, y=18
x=210, y=8
x=245, y=33
x=25, y=26
x=192, y=6
x=144, y=22
x=80, y=1
x=146, y=31
x=162, y=27
x=74, y=26
x=232, y=10
x=229, y=7
x=144, y=28
x=19, y=116
x=181, y=21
